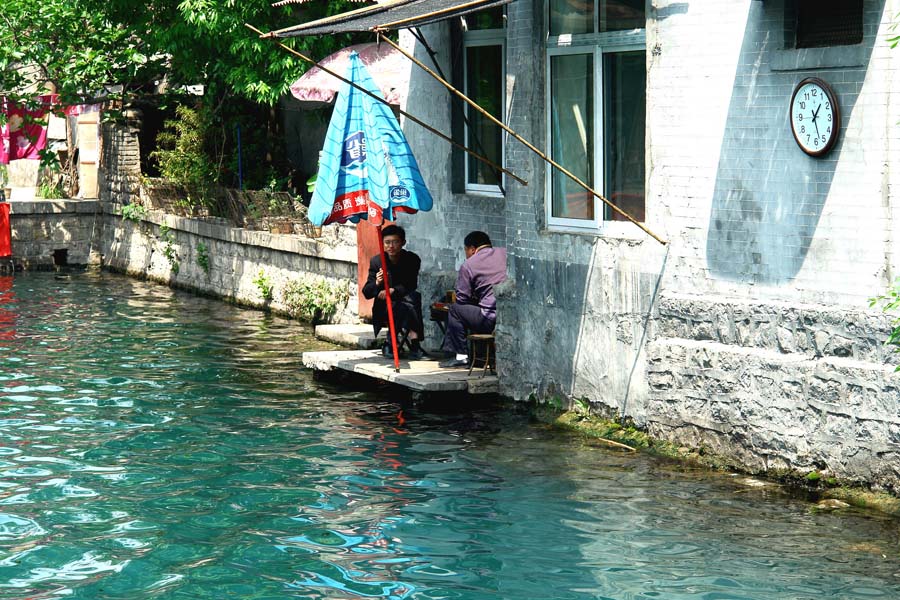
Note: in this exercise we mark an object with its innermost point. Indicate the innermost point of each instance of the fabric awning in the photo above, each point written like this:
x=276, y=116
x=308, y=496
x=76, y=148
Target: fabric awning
x=389, y=15
x=389, y=69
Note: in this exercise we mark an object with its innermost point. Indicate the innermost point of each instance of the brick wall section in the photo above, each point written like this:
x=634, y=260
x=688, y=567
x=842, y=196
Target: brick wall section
x=41, y=227
x=747, y=211
x=120, y=169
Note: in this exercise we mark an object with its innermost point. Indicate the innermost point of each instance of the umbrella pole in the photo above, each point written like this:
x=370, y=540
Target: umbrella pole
x=387, y=298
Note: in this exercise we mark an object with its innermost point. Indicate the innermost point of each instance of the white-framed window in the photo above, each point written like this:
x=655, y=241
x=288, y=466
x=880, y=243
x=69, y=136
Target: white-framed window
x=484, y=79
x=596, y=111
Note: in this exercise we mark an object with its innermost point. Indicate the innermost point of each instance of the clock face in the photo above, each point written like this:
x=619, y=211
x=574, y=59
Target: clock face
x=815, y=116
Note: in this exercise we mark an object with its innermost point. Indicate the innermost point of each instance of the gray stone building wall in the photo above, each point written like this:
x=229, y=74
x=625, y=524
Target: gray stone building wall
x=749, y=333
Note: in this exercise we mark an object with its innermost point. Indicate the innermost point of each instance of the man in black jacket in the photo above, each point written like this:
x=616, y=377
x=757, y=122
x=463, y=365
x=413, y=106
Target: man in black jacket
x=403, y=277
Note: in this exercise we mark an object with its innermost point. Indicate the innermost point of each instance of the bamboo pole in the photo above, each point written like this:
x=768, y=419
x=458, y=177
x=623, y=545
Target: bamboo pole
x=527, y=144
x=402, y=112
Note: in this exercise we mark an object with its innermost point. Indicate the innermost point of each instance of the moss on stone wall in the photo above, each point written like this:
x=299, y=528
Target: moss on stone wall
x=816, y=486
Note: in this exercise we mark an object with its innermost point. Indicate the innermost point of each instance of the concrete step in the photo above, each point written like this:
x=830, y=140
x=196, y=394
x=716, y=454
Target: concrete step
x=422, y=376
x=352, y=336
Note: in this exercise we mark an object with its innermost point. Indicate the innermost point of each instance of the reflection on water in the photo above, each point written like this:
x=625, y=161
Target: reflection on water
x=158, y=445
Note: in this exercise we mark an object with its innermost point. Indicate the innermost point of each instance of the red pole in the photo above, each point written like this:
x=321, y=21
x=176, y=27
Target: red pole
x=387, y=298
x=5, y=231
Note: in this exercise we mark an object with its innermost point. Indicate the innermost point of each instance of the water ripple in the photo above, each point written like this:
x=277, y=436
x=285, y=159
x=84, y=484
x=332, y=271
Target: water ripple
x=159, y=445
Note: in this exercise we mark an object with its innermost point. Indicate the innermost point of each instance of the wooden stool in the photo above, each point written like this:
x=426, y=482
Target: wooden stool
x=482, y=344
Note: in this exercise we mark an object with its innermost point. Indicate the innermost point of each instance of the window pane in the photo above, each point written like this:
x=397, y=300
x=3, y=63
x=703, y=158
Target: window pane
x=484, y=85
x=485, y=19
x=624, y=110
x=618, y=15
x=572, y=133
x=571, y=16
x=822, y=23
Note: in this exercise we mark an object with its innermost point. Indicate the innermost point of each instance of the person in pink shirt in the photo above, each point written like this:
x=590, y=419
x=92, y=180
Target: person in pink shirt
x=475, y=309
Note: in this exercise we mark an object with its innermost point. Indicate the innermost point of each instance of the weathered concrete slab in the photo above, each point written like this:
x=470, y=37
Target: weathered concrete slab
x=418, y=375
x=353, y=336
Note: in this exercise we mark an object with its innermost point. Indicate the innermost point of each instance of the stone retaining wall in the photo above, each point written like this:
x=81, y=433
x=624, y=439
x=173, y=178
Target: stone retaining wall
x=42, y=227
x=168, y=249
x=777, y=387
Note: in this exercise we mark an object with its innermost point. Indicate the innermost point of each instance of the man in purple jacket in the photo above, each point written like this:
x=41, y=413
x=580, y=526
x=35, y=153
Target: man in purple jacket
x=475, y=308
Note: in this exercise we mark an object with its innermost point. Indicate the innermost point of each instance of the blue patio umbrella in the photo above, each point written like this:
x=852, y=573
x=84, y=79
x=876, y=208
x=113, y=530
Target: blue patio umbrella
x=366, y=170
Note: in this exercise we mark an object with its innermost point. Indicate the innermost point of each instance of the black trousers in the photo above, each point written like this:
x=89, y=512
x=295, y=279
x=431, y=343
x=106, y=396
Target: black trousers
x=407, y=314
x=464, y=317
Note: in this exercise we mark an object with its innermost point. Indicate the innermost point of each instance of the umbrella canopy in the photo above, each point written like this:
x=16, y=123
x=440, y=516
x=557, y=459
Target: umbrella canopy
x=367, y=170
x=388, y=68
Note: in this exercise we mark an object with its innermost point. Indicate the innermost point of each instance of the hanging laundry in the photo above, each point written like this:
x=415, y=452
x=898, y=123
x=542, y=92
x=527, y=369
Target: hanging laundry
x=25, y=133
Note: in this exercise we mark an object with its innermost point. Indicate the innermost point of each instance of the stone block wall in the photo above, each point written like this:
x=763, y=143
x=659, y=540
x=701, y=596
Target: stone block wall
x=168, y=248
x=120, y=170
x=777, y=386
x=42, y=227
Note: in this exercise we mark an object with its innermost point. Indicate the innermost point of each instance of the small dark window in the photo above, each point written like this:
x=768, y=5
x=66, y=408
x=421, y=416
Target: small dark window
x=822, y=23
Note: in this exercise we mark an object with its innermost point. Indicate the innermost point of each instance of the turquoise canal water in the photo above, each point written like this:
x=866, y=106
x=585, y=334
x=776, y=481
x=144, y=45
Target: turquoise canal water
x=158, y=445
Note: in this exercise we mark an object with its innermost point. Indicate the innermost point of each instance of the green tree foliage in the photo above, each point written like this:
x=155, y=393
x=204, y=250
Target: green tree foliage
x=182, y=157
x=86, y=48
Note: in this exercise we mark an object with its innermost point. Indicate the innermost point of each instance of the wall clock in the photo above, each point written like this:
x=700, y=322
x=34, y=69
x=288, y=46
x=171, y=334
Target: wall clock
x=815, y=116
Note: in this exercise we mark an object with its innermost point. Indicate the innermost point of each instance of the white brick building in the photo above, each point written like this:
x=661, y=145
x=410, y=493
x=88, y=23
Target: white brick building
x=749, y=332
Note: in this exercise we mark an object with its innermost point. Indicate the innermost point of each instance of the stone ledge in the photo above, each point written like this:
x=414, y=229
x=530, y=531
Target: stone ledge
x=336, y=251
x=352, y=336
x=796, y=361
x=21, y=208
x=787, y=328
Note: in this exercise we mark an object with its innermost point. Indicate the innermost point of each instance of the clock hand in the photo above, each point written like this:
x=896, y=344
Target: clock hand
x=816, y=112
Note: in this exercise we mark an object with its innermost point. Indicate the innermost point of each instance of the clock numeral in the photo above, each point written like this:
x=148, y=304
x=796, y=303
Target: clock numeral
x=824, y=138
x=829, y=116
x=799, y=116
x=828, y=130
x=803, y=129
x=815, y=92
x=828, y=106
x=806, y=96
x=816, y=142
x=803, y=105
x=807, y=138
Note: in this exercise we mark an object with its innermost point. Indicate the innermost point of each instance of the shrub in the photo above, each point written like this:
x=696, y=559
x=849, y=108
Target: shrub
x=133, y=212
x=313, y=299
x=889, y=302
x=203, y=257
x=182, y=156
x=264, y=284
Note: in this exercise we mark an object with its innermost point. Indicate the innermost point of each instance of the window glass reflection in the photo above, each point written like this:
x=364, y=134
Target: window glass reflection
x=572, y=133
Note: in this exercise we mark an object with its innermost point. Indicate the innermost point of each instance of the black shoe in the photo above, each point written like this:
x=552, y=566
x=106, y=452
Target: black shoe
x=454, y=362
x=416, y=353
x=386, y=350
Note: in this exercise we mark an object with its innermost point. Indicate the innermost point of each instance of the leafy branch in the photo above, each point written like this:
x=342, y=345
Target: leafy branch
x=889, y=302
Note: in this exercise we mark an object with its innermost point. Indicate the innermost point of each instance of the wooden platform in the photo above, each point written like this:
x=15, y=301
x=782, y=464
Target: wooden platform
x=422, y=376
